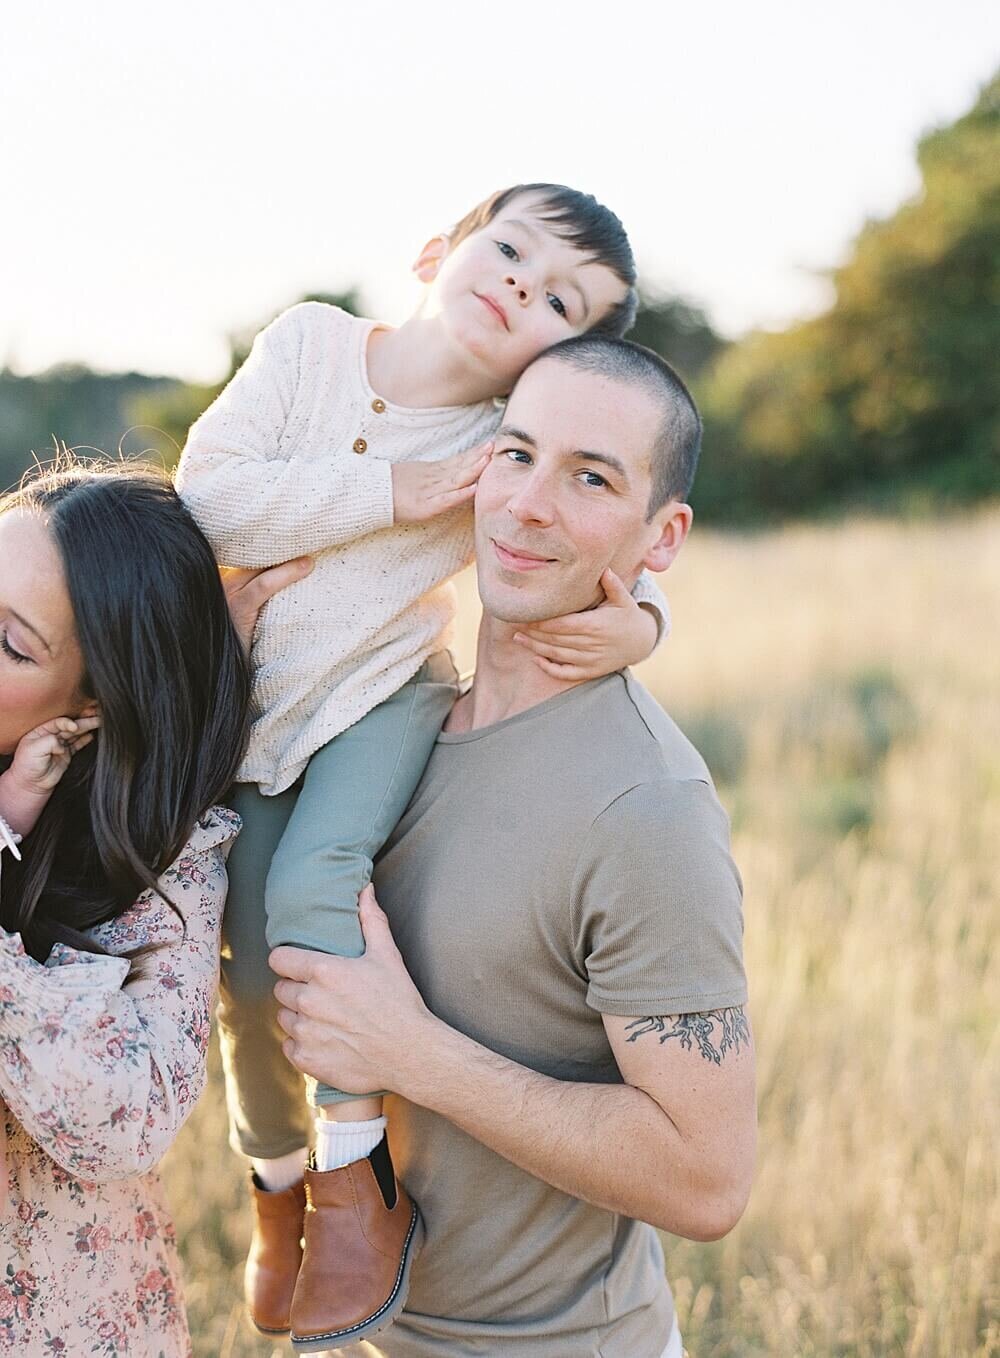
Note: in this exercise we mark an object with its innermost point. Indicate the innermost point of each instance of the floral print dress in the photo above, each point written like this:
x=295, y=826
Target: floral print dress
x=98, y=1070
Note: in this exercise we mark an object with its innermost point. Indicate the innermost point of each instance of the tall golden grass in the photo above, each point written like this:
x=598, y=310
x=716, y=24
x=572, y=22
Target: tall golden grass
x=844, y=684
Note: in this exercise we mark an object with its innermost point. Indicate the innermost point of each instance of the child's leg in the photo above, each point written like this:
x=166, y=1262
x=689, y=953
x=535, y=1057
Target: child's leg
x=353, y=793
x=268, y=1113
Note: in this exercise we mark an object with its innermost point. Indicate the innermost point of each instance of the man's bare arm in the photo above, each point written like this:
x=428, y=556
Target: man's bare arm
x=673, y=1145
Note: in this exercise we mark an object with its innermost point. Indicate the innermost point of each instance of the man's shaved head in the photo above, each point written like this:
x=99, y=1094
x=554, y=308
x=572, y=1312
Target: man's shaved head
x=674, y=454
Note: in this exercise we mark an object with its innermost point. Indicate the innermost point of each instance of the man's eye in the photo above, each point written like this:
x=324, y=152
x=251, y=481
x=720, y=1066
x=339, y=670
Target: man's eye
x=506, y=249
x=517, y=455
x=556, y=304
x=592, y=479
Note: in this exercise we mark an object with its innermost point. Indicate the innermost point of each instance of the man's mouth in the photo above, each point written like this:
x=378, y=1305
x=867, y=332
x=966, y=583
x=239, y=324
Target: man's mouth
x=513, y=559
x=493, y=305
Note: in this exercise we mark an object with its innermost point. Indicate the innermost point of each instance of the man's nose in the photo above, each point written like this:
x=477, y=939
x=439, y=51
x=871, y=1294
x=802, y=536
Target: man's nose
x=533, y=502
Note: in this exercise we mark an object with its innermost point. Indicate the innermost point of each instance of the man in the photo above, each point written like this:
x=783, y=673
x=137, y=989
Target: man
x=562, y=1020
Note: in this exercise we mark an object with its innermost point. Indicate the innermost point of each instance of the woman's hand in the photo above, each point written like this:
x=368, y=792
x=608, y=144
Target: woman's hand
x=247, y=591
x=421, y=490
x=589, y=645
x=40, y=760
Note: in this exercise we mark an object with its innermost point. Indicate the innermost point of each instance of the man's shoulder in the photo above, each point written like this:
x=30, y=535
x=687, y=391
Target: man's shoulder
x=630, y=736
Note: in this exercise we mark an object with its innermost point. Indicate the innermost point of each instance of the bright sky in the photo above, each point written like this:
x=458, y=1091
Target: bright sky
x=174, y=172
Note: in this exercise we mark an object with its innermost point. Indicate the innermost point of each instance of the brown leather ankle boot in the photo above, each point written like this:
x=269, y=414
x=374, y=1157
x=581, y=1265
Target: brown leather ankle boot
x=275, y=1255
x=362, y=1232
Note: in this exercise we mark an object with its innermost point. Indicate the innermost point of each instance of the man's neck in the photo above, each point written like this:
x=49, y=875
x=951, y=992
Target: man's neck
x=507, y=681
x=417, y=366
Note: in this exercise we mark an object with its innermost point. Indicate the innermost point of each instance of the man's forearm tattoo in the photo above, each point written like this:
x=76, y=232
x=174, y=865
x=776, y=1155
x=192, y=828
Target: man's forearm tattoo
x=716, y=1033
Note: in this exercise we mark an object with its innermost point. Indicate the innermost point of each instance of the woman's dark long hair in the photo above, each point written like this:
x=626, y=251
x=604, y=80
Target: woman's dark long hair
x=165, y=665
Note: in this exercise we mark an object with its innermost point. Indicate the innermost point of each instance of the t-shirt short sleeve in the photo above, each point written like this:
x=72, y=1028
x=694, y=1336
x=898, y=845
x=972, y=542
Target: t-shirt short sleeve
x=658, y=904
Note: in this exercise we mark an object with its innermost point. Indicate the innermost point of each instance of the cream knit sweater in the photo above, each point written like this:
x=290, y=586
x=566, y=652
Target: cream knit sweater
x=295, y=457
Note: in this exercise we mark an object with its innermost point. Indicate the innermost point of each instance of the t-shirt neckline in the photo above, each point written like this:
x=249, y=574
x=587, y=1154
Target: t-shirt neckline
x=543, y=708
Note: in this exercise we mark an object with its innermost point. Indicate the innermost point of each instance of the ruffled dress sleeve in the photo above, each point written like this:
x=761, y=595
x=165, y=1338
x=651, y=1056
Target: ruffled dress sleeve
x=101, y=1061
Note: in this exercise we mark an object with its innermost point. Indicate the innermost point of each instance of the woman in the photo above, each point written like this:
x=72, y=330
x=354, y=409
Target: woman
x=110, y=601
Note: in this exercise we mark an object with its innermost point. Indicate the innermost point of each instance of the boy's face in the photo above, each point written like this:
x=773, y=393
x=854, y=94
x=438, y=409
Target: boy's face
x=513, y=288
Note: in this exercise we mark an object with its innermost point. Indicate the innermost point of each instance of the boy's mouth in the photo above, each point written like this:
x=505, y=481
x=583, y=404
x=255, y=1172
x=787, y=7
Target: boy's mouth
x=493, y=305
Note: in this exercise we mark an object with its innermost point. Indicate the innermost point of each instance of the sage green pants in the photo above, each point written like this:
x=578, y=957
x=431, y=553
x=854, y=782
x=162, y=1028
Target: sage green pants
x=295, y=873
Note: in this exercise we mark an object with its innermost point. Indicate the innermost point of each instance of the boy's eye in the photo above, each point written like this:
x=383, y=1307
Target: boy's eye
x=507, y=250
x=556, y=304
x=593, y=479
x=16, y=656
x=517, y=455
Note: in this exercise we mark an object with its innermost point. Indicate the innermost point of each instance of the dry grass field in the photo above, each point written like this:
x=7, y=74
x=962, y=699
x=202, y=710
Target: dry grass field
x=843, y=682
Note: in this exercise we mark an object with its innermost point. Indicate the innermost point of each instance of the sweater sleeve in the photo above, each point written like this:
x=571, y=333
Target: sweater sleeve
x=647, y=591
x=101, y=1067
x=255, y=500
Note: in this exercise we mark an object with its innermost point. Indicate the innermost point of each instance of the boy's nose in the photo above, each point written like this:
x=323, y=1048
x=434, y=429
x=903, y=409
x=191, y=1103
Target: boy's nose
x=520, y=286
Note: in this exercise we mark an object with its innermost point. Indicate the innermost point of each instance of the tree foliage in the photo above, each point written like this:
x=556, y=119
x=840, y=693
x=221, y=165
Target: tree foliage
x=894, y=389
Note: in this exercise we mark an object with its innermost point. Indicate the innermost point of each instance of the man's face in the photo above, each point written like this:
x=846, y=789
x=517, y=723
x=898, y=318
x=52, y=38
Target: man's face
x=514, y=288
x=566, y=493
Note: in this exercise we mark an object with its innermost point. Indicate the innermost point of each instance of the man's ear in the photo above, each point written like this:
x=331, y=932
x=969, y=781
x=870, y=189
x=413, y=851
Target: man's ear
x=674, y=521
x=431, y=257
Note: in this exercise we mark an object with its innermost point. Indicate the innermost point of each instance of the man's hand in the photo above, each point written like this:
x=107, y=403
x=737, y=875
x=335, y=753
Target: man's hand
x=247, y=591
x=351, y=1021
x=588, y=645
x=421, y=490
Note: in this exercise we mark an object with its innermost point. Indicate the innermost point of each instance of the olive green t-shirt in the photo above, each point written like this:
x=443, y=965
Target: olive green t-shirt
x=569, y=862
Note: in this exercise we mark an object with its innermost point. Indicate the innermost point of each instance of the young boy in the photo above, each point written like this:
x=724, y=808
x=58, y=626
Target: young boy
x=361, y=446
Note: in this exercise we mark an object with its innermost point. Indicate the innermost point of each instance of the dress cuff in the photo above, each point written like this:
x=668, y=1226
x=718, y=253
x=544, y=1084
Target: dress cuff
x=9, y=839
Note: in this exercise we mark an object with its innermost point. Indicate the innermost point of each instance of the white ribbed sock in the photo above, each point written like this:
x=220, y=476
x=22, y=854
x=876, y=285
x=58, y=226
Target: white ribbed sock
x=281, y=1173
x=341, y=1143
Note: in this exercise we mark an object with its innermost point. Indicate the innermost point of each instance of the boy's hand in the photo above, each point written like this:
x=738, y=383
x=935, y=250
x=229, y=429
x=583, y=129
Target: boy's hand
x=40, y=760
x=422, y=490
x=589, y=645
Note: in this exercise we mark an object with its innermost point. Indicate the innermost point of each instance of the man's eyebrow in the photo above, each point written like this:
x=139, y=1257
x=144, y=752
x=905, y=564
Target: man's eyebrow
x=508, y=431
x=32, y=629
x=605, y=459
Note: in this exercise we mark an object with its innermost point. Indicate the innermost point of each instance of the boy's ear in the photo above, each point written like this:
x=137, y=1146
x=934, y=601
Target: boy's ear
x=431, y=258
x=675, y=524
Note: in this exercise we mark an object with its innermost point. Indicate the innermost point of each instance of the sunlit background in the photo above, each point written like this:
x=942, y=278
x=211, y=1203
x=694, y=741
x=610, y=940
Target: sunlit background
x=814, y=198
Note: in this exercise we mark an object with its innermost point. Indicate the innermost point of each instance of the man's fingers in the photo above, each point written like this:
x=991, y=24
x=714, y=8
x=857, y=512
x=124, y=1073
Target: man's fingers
x=373, y=917
x=290, y=1048
x=247, y=591
x=269, y=582
x=297, y=964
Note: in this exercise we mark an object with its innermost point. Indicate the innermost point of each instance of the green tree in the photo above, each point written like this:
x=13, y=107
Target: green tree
x=893, y=391
x=165, y=417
